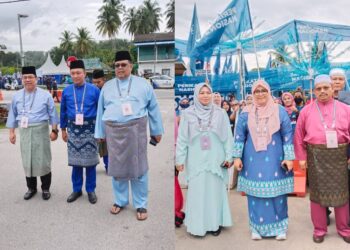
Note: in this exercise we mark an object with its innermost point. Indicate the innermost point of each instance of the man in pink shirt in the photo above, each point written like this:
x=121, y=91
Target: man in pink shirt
x=321, y=142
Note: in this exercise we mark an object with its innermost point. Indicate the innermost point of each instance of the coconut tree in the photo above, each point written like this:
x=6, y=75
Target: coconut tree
x=131, y=21
x=150, y=14
x=109, y=21
x=84, y=42
x=67, y=43
x=170, y=15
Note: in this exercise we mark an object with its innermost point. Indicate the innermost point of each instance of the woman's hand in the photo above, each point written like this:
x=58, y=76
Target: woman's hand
x=238, y=164
x=180, y=168
x=288, y=163
x=303, y=165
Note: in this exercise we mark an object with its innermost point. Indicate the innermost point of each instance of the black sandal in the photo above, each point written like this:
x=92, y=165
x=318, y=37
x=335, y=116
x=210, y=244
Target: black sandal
x=116, y=206
x=141, y=211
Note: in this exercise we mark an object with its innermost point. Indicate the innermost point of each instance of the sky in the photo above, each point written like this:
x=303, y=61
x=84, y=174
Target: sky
x=49, y=18
x=272, y=13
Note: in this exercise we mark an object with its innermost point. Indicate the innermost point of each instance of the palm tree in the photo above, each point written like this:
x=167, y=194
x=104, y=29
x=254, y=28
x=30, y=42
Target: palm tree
x=150, y=13
x=83, y=43
x=66, y=41
x=170, y=15
x=131, y=21
x=109, y=21
x=282, y=55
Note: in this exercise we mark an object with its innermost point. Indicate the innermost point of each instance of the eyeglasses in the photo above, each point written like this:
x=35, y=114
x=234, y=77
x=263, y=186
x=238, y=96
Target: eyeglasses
x=120, y=65
x=260, y=92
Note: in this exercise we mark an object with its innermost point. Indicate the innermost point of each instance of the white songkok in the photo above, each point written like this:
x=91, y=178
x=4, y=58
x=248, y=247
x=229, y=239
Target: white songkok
x=337, y=72
x=323, y=79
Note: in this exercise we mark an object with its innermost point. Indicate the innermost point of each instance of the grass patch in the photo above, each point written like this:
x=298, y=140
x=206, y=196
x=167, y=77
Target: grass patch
x=2, y=125
x=58, y=108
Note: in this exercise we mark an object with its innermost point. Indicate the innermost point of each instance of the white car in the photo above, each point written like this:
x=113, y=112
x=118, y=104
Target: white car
x=162, y=81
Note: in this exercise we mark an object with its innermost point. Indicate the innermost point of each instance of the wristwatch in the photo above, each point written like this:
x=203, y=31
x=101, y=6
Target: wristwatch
x=55, y=131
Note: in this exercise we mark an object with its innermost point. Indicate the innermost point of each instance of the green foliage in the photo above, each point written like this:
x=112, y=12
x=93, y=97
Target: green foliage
x=142, y=20
x=8, y=70
x=170, y=15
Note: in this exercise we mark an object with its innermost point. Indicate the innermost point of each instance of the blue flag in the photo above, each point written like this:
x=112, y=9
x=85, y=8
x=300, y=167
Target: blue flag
x=232, y=21
x=217, y=63
x=195, y=33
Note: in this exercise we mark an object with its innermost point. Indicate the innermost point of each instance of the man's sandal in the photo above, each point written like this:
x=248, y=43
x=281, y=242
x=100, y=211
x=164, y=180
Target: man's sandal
x=141, y=213
x=116, y=209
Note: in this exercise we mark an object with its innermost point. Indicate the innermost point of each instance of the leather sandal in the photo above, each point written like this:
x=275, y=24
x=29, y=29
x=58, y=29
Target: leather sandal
x=116, y=209
x=140, y=212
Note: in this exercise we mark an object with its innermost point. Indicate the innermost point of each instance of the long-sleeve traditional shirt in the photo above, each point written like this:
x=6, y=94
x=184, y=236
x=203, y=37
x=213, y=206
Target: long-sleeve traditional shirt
x=310, y=130
x=38, y=107
x=68, y=108
x=141, y=98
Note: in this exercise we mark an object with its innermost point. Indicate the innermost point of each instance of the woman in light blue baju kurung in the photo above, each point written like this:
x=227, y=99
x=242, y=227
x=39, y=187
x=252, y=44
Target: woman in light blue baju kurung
x=207, y=207
x=262, y=178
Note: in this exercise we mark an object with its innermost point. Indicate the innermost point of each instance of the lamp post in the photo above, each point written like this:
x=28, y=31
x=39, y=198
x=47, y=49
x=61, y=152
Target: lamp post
x=19, y=16
x=2, y=48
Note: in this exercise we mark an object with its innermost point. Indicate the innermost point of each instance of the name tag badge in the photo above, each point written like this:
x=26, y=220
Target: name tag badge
x=24, y=122
x=262, y=142
x=332, y=139
x=79, y=119
x=127, y=109
x=205, y=142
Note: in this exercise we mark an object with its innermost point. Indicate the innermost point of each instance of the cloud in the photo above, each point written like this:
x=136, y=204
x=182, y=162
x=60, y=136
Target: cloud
x=274, y=12
x=48, y=19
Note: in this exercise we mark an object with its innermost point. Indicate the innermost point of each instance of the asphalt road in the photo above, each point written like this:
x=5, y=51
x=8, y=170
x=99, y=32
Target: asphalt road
x=55, y=224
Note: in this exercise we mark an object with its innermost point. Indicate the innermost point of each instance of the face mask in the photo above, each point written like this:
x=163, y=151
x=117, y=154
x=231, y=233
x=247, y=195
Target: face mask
x=298, y=100
x=184, y=106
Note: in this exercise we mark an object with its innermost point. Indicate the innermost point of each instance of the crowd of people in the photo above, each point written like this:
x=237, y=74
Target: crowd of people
x=108, y=119
x=262, y=137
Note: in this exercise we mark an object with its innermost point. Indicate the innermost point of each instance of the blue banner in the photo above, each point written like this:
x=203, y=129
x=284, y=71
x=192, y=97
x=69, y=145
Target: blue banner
x=195, y=33
x=231, y=22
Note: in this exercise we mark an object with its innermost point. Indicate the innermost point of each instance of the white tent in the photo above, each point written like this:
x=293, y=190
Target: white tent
x=62, y=68
x=48, y=68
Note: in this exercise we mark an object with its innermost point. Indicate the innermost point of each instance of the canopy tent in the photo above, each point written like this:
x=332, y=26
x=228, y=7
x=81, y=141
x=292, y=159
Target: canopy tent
x=48, y=68
x=62, y=68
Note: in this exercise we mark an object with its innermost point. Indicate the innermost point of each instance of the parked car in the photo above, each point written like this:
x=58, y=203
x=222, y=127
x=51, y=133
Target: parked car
x=162, y=81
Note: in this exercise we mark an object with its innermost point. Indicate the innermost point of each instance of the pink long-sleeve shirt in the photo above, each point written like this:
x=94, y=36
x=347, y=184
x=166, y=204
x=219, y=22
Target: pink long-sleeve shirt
x=310, y=130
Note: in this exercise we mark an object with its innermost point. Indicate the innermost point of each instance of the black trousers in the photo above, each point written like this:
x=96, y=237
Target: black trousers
x=45, y=182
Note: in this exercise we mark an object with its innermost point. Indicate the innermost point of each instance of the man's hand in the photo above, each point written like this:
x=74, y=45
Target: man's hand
x=303, y=165
x=64, y=136
x=238, y=164
x=158, y=138
x=53, y=136
x=12, y=137
x=180, y=168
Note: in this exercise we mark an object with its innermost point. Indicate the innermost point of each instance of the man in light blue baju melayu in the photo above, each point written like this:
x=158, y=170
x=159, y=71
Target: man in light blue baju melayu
x=32, y=110
x=125, y=105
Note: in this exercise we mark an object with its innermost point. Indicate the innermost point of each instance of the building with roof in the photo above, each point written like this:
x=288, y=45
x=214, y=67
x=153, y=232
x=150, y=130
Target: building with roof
x=155, y=53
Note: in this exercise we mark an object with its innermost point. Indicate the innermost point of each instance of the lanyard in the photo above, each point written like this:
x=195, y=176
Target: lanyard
x=118, y=88
x=257, y=124
x=24, y=101
x=321, y=117
x=82, y=101
x=209, y=123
